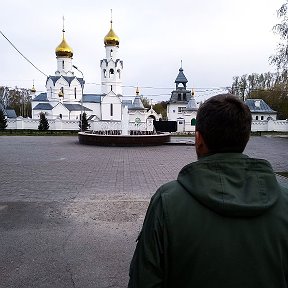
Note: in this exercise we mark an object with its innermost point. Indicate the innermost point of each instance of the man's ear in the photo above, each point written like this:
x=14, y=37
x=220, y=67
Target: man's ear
x=198, y=139
x=200, y=145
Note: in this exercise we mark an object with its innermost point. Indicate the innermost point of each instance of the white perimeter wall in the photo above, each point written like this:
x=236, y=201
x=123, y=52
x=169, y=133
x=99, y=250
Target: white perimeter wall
x=271, y=125
x=55, y=124
x=60, y=124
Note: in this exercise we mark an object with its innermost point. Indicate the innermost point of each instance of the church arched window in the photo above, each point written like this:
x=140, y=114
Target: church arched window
x=119, y=73
x=193, y=122
x=111, y=72
x=111, y=109
x=51, y=92
x=179, y=97
x=63, y=64
x=75, y=94
x=111, y=53
x=104, y=73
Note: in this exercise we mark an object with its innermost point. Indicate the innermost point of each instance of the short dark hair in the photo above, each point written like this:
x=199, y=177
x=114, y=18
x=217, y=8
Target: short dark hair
x=224, y=122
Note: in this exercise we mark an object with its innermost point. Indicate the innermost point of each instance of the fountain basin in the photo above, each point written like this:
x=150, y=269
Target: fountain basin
x=123, y=140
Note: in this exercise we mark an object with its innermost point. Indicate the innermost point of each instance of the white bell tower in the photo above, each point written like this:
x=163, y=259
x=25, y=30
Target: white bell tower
x=111, y=66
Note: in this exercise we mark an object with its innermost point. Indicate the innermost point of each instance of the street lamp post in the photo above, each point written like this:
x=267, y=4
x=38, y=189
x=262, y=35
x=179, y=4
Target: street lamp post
x=81, y=116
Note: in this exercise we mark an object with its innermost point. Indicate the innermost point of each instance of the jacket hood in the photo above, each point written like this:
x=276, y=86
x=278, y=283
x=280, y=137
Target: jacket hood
x=231, y=184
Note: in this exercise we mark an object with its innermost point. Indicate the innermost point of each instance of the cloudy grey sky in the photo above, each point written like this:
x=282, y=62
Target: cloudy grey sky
x=216, y=40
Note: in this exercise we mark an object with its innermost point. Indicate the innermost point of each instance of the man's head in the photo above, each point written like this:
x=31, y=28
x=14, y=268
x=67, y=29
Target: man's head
x=223, y=124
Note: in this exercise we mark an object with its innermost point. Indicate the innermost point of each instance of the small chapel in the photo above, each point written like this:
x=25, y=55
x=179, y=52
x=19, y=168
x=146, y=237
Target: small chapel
x=65, y=98
x=182, y=107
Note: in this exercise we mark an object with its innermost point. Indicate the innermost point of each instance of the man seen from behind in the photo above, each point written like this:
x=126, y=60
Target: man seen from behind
x=224, y=221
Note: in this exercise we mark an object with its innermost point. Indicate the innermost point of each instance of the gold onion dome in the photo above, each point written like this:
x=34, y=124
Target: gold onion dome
x=61, y=94
x=63, y=49
x=33, y=90
x=111, y=39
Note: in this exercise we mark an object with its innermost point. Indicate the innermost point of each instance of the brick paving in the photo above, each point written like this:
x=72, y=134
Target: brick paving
x=70, y=214
x=58, y=168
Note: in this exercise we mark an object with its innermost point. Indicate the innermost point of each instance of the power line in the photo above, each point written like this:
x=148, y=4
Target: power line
x=198, y=89
x=208, y=91
x=22, y=54
x=160, y=88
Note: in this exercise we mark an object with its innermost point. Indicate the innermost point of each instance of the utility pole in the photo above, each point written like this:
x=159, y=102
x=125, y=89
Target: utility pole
x=81, y=115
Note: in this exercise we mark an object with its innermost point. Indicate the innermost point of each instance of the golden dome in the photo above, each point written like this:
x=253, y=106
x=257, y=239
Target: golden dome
x=111, y=39
x=33, y=90
x=63, y=49
x=61, y=94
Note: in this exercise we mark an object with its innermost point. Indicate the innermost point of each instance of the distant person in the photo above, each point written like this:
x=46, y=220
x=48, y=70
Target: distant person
x=224, y=221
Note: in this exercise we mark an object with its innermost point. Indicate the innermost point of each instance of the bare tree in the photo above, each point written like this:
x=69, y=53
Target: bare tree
x=280, y=59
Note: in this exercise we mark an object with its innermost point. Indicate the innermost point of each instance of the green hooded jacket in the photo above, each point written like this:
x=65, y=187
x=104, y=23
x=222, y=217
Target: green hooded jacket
x=222, y=223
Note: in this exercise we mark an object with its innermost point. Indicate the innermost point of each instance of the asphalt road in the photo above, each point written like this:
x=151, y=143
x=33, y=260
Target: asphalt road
x=70, y=214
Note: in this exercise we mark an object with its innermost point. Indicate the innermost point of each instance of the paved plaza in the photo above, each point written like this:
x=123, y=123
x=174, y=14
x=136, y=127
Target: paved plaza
x=70, y=213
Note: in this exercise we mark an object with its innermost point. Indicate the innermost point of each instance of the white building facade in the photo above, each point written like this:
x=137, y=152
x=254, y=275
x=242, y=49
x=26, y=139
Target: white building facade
x=260, y=110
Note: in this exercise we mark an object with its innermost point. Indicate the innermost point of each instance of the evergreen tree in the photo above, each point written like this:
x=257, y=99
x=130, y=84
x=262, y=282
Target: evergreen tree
x=84, y=125
x=3, y=120
x=43, y=123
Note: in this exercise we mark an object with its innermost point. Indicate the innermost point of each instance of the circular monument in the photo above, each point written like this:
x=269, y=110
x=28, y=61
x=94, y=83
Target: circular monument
x=123, y=133
x=113, y=139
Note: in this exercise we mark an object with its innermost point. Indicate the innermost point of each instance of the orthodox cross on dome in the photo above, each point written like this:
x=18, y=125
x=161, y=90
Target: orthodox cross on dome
x=111, y=17
x=63, y=30
x=33, y=90
x=63, y=27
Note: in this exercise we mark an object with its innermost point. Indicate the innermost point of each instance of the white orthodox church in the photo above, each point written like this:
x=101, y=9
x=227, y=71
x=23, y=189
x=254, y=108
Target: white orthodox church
x=64, y=98
x=182, y=106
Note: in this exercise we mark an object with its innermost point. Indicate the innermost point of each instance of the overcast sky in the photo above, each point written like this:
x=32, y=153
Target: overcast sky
x=215, y=39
